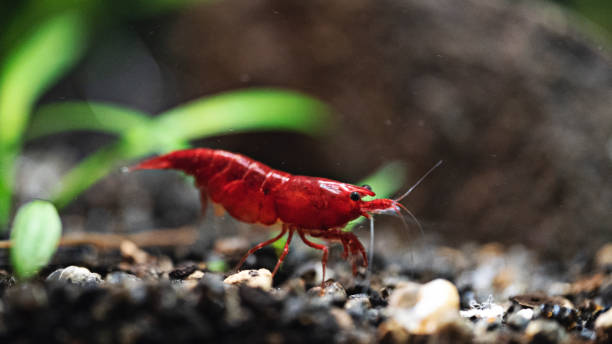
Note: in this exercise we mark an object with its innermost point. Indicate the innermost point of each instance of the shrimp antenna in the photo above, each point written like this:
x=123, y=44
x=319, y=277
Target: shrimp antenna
x=419, y=181
x=411, y=217
x=371, y=253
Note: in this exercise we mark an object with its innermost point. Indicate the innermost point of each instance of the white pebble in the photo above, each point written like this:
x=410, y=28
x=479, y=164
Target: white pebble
x=604, y=321
x=405, y=295
x=261, y=278
x=75, y=275
x=526, y=313
x=437, y=305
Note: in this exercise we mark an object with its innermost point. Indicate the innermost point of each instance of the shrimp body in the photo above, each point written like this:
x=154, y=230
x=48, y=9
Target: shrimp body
x=253, y=192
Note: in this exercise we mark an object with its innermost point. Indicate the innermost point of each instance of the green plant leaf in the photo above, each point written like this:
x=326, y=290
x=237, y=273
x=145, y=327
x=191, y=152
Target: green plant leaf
x=71, y=116
x=217, y=265
x=34, y=65
x=246, y=110
x=22, y=20
x=36, y=232
x=87, y=172
x=7, y=176
x=26, y=72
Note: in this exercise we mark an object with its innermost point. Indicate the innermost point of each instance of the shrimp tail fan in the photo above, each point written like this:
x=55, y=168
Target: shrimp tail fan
x=187, y=160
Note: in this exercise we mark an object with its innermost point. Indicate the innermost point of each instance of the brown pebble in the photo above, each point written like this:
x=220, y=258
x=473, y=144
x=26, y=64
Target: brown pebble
x=588, y=284
x=391, y=331
x=534, y=300
x=130, y=251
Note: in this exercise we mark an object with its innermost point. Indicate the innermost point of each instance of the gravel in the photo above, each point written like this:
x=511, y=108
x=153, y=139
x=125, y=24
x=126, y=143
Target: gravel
x=182, y=301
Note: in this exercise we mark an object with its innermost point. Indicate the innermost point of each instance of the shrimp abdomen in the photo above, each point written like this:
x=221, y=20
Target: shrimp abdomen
x=241, y=185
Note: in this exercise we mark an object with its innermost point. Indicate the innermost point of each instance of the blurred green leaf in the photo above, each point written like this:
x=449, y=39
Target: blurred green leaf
x=597, y=11
x=36, y=232
x=88, y=171
x=71, y=116
x=27, y=71
x=231, y=112
x=21, y=16
x=40, y=41
x=246, y=110
x=7, y=176
x=385, y=181
x=216, y=265
x=27, y=16
x=38, y=62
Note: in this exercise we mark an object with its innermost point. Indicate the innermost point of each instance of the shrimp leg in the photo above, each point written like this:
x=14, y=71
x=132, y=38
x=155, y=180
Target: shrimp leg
x=318, y=247
x=261, y=245
x=285, y=251
x=350, y=244
x=349, y=239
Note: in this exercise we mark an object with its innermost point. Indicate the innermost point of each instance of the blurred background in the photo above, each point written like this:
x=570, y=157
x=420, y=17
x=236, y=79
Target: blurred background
x=514, y=96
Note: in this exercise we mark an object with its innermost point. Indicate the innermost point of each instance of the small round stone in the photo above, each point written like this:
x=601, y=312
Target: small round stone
x=545, y=331
x=261, y=278
x=75, y=275
x=603, y=325
x=404, y=296
x=436, y=307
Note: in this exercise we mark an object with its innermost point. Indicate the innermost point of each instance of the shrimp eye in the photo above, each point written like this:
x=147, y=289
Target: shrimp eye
x=355, y=196
x=366, y=186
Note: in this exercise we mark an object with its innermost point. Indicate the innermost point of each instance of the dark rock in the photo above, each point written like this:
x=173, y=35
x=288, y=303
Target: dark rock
x=376, y=299
x=182, y=272
x=6, y=281
x=536, y=300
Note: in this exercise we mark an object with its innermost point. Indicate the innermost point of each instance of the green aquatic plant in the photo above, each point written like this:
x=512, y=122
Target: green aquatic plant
x=34, y=237
x=25, y=73
x=40, y=42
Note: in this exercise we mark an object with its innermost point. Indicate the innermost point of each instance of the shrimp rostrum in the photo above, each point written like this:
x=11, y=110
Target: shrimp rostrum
x=256, y=193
